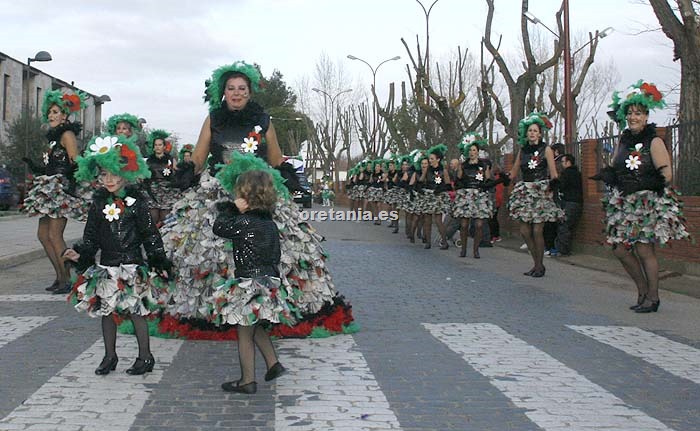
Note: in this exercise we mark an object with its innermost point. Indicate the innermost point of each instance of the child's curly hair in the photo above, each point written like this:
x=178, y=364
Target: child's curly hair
x=257, y=188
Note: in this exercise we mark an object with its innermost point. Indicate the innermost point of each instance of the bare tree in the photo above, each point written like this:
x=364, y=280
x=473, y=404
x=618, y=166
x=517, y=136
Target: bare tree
x=682, y=26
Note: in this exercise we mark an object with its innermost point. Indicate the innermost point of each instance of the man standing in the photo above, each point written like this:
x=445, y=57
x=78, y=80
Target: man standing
x=571, y=192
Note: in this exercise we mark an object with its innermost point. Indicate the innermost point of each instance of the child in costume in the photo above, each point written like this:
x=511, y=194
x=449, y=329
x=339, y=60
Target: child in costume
x=118, y=225
x=256, y=294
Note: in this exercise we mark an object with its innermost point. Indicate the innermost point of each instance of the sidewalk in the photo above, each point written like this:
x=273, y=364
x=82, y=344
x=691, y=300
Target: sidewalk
x=19, y=241
x=604, y=261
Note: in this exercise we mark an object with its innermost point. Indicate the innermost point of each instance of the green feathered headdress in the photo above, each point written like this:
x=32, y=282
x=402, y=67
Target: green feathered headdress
x=130, y=119
x=439, y=150
x=187, y=148
x=640, y=93
x=159, y=134
x=469, y=139
x=229, y=173
x=534, y=117
x=417, y=157
x=66, y=102
x=401, y=159
x=117, y=154
x=215, y=88
x=376, y=162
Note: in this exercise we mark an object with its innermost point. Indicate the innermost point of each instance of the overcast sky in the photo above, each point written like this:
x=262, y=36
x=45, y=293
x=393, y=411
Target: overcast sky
x=152, y=57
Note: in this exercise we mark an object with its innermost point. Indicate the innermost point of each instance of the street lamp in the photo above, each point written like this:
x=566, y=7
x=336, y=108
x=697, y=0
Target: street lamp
x=601, y=34
x=568, y=58
x=375, y=108
x=39, y=56
x=331, y=136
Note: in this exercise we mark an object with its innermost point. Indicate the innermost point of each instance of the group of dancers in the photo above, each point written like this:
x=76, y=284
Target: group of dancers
x=233, y=258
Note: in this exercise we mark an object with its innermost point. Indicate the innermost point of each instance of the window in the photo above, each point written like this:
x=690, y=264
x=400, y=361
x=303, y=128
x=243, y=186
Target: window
x=5, y=97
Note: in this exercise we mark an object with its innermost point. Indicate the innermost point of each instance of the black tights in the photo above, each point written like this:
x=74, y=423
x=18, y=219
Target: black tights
x=533, y=236
x=641, y=264
x=248, y=338
x=109, y=334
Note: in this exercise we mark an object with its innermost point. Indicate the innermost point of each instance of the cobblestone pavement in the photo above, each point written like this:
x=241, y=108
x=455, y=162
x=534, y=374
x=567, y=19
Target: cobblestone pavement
x=446, y=343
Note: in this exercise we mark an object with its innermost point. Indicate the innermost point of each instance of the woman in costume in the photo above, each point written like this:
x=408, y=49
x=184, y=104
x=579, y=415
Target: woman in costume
x=162, y=166
x=531, y=203
x=641, y=209
x=237, y=125
x=472, y=200
x=391, y=191
x=53, y=197
x=118, y=226
x=403, y=178
x=375, y=189
x=432, y=183
x=123, y=124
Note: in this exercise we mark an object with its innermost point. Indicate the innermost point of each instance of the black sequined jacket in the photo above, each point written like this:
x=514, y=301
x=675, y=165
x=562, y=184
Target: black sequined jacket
x=256, y=242
x=120, y=240
x=58, y=161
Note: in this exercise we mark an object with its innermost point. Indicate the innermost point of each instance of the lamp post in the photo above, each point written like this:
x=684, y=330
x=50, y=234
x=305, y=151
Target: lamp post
x=331, y=133
x=375, y=108
x=568, y=68
x=39, y=56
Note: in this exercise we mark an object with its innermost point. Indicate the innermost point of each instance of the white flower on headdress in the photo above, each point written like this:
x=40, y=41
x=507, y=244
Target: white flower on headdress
x=249, y=145
x=468, y=139
x=417, y=157
x=479, y=176
x=111, y=212
x=103, y=145
x=166, y=172
x=633, y=91
x=257, y=129
x=438, y=179
x=633, y=162
x=45, y=156
x=129, y=201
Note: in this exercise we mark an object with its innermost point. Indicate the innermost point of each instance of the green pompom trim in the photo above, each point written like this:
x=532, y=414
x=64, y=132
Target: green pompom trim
x=229, y=173
x=534, y=118
x=215, y=89
x=64, y=101
x=156, y=134
x=122, y=118
x=187, y=148
x=469, y=139
x=637, y=94
x=90, y=164
x=438, y=150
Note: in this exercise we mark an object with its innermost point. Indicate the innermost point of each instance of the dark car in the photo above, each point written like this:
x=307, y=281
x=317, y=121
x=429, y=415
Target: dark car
x=303, y=197
x=9, y=195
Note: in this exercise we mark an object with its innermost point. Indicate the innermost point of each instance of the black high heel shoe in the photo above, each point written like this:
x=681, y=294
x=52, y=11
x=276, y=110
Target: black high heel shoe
x=274, y=372
x=640, y=301
x=62, y=290
x=248, y=388
x=108, y=364
x=54, y=286
x=529, y=273
x=142, y=366
x=538, y=274
x=651, y=308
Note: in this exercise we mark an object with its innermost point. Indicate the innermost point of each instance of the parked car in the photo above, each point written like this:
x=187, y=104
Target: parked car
x=303, y=197
x=9, y=195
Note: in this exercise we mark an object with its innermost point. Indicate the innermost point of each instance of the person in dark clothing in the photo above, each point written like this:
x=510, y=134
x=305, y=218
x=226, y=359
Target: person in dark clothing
x=550, y=228
x=571, y=195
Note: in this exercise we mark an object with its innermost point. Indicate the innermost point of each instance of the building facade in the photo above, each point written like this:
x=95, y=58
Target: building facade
x=22, y=88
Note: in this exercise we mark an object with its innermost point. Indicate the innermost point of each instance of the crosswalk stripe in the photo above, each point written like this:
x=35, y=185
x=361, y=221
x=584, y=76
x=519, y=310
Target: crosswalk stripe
x=676, y=358
x=329, y=386
x=75, y=397
x=555, y=397
x=33, y=298
x=12, y=328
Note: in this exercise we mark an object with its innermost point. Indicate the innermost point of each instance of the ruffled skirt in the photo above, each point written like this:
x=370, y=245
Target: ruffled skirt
x=361, y=191
x=427, y=201
x=247, y=301
x=643, y=217
x=48, y=197
x=472, y=203
x=165, y=195
x=533, y=202
x=123, y=290
x=374, y=194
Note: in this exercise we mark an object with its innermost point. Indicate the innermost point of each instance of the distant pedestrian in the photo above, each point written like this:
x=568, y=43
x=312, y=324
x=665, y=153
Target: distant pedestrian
x=571, y=198
x=550, y=228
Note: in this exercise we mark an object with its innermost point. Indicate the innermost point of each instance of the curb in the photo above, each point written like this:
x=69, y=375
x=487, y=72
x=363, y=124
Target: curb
x=27, y=256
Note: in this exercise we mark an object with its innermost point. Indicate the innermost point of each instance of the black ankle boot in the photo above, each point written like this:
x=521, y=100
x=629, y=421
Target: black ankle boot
x=108, y=364
x=142, y=366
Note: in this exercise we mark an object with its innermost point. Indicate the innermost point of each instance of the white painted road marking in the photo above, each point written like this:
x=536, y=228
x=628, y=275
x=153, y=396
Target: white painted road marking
x=12, y=328
x=77, y=399
x=676, y=358
x=329, y=386
x=33, y=298
x=555, y=397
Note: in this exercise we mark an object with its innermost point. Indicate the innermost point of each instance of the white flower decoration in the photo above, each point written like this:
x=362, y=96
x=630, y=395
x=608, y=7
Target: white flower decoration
x=249, y=145
x=417, y=157
x=111, y=212
x=468, y=139
x=438, y=179
x=166, y=172
x=129, y=201
x=536, y=154
x=46, y=158
x=632, y=162
x=532, y=164
x=257, y=129
x=102, y=145
x=479, y=176
x=638, y=147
